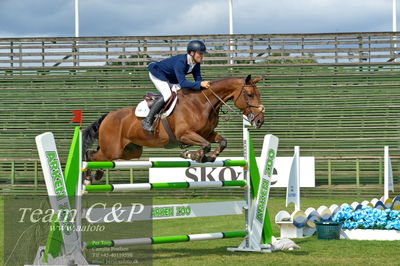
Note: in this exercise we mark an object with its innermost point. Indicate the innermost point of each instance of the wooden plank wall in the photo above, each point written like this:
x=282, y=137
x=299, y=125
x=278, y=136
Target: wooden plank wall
x=240, y=48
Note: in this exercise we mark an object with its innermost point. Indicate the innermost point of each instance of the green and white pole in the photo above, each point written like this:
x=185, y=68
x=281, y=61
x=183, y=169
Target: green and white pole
x=157, y=186
x=164, y=239
x=159, y=164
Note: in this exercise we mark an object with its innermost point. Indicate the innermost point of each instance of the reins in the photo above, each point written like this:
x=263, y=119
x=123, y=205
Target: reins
x=230, y=108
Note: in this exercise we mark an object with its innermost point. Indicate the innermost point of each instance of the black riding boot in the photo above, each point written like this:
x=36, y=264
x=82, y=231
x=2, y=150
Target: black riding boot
x=147, y=123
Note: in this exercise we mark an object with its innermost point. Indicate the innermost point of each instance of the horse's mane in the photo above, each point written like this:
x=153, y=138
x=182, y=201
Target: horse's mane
x=223, y=79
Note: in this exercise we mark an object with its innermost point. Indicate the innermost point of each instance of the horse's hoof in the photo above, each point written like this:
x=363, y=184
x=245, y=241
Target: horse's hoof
x=98, y=175
x=211, y=159
x=185, y=154
x=87, y=181
x=87, y=178
x=202, y=159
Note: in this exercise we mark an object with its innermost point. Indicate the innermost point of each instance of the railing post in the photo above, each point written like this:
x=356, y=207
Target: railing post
x=230, y=61
x=43, y=51
x=380, y=172
x=369, y=49
x=74, y=53
x=145, y=51
x=107, y=176
x=392, y=46
x=12, y=172
x=360, y=45
x=236, y=47
x=251, y=51
x=170, y=47
x=358, y=172
x=12, y=54
x=131, y=176
x=107, y=55
x=123, y=56
x=329, y=172
x=336, y=53
x=20, y=54
x=35, y=165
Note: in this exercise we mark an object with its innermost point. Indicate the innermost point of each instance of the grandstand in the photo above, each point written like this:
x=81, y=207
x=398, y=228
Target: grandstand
x=336, y=96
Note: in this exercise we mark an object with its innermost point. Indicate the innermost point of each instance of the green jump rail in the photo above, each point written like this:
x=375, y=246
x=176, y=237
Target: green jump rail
x=160, y=164
x=164, y=239
x=170, y=185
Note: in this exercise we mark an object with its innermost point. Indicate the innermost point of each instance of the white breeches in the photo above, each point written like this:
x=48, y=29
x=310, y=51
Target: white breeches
x=164, y=87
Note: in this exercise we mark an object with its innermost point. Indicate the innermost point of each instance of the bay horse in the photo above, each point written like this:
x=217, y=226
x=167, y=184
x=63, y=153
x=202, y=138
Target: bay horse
x=192, y=122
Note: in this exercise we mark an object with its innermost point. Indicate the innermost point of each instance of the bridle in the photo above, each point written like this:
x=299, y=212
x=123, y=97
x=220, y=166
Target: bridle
x=246, y=99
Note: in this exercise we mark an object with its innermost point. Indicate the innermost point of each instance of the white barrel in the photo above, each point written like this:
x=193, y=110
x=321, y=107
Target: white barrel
x=283, y=216
x=325, y=213
x=310, y=227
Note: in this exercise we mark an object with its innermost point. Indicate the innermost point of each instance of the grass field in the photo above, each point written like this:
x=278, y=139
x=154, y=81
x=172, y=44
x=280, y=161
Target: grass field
x=312, y=252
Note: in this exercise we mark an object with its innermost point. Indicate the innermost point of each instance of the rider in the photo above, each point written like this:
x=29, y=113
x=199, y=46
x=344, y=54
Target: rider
x=173, y=70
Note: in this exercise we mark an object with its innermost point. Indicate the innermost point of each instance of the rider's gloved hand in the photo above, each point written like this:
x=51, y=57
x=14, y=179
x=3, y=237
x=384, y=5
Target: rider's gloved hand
x=205, y=84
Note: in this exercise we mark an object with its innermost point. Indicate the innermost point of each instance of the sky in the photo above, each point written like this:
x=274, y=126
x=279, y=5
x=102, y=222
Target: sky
x=55, y=18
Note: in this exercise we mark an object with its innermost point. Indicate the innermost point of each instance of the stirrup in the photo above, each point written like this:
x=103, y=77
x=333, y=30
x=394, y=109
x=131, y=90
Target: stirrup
x=147, y=126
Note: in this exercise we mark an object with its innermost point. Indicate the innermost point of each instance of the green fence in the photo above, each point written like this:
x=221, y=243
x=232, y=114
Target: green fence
x=345, y=171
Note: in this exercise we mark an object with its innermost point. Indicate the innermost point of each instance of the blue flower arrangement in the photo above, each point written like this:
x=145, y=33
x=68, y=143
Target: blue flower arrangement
x=368, y=218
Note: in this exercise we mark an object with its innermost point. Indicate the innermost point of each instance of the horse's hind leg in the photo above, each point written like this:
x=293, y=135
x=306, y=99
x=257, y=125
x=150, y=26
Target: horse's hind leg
x=101, y=155
x=132, y=151
x=113, y=153
x=87, y=176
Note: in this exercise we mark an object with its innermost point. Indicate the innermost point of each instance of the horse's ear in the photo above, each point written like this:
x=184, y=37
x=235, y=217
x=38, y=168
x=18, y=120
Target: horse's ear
x=257, y=80
x=248, y=78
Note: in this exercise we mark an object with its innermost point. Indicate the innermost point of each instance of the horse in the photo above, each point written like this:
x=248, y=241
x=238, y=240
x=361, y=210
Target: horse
x=192, y=123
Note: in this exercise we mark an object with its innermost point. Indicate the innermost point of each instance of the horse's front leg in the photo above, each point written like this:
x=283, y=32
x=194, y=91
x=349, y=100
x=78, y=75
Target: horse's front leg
x=192, y=138
x=216, y=138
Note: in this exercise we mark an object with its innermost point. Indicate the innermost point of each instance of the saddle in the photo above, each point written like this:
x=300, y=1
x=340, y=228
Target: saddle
x=150, y=98
x=143, y=108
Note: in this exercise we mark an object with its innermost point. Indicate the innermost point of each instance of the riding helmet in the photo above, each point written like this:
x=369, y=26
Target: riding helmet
x=196, y=46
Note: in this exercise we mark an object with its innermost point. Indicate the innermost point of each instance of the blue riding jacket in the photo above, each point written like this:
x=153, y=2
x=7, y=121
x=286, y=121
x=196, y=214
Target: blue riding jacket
x=174, y=70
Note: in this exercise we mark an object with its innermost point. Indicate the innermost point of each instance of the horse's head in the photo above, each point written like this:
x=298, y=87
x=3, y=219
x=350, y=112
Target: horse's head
x=247, y=99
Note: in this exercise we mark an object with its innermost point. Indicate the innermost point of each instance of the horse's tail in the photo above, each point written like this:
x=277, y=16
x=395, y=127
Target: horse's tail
x=91, y=133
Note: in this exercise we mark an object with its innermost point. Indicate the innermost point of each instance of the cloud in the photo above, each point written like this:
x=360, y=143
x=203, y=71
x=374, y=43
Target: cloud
x=320, y=16
x=176, y=17
x=147, y=18
x=206, y=17
x=42, y=17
